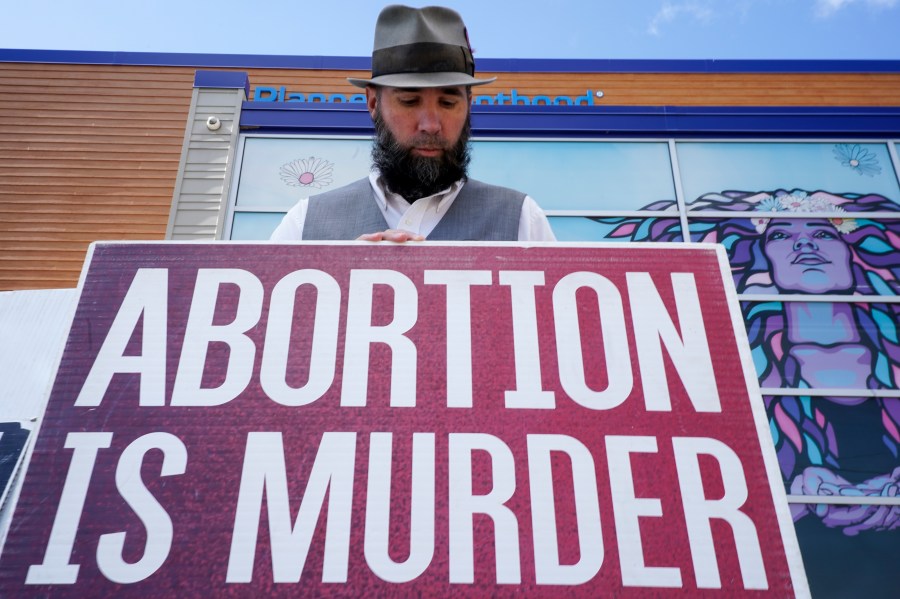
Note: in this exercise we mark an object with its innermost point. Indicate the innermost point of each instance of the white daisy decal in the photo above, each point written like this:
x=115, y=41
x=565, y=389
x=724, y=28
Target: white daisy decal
x=307, y=172
x=857, y=158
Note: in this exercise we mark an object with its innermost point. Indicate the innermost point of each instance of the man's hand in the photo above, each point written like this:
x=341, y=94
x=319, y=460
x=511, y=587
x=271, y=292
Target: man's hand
x=395, y=235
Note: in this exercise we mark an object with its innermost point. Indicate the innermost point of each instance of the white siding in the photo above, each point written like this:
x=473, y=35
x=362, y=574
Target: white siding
x=201, y=190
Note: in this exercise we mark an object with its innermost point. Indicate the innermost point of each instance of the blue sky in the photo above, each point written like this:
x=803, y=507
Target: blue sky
x=704, y=29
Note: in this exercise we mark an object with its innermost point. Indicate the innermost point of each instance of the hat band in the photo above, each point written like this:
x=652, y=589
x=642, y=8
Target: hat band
x=422, y=57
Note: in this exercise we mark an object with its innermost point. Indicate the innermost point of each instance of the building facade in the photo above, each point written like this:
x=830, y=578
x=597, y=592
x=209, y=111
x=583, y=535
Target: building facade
x=792, y=166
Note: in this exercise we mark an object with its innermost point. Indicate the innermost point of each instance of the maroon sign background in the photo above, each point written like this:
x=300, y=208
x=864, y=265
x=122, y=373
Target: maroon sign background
x=176, y=463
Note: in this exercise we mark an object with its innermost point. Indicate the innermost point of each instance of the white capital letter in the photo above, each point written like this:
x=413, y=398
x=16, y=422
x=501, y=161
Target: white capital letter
x=148, y=295
x=361, y=334
x=264, y=469
x=547, y=568
x=627, y=509
x=570, y=353
x=421, y=512
x=323, y=350
x=698, y=511
x=56, y=569
x=201, y=331
x=529, y=392
x=689, y=353
x=464, y=505
x=459, y=329
x=152, y=515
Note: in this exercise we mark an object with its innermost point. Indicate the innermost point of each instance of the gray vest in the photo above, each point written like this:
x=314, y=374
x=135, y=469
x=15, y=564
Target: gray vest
x=480, y=212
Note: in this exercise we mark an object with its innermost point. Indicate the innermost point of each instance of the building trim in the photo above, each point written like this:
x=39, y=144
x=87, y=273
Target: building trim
x=684, y=122
x=505, y=65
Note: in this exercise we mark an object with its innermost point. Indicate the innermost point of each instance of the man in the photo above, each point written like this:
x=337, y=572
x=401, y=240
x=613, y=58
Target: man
x=419, y=97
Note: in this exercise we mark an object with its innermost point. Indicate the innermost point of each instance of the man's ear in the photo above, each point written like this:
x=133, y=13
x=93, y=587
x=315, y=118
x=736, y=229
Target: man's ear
x=371, y=99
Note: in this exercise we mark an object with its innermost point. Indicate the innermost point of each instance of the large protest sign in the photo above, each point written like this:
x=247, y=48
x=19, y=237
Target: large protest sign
x=383, y=419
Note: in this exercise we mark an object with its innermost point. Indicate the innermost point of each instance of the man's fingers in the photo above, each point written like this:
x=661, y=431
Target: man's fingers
x=395, y=235
x=399, y=235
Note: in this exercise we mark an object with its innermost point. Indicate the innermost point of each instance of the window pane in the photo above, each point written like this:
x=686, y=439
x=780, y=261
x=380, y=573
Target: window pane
x=578, y=228
x=781, y=255
x=740, y=176
x=824, y=345
x=569, y=175
x=841, y=564
x=842, y=447
x=854, y=439
x=278, y=172
x=254, y=226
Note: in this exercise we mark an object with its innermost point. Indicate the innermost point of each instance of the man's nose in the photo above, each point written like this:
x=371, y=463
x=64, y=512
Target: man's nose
x=429, y=121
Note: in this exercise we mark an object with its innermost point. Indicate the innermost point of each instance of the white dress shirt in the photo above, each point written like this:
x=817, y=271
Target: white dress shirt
x=421, y=217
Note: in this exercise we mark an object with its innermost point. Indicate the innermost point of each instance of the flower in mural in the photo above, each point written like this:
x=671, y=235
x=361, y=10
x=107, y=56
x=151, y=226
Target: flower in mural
x=770, y=204
x=307, y=172
x=760, y=224
x=800, y=201
x=857, y=158
x=843, y=225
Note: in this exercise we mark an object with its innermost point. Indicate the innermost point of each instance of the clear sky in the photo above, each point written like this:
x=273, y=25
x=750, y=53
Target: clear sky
x=704, y=29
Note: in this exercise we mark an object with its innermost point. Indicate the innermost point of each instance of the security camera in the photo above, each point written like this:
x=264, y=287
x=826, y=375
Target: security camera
x=213, y=123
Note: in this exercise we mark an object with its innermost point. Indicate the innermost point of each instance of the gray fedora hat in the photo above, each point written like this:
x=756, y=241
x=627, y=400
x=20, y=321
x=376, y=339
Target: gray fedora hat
x=421, y=47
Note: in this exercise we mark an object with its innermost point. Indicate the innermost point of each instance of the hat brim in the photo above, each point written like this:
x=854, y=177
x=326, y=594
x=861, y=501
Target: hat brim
x=421, y=80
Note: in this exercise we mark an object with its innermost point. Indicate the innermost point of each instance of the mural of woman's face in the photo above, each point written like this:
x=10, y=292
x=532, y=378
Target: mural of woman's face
x=807, y=255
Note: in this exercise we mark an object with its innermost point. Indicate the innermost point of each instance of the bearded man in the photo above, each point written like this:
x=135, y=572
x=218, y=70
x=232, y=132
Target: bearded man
x=419, y=98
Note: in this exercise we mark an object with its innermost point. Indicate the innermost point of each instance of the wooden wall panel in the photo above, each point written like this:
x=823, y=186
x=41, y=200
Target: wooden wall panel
x=87, y=152
x=91, y=152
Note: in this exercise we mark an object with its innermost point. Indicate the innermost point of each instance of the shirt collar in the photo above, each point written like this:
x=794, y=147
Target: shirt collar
x=384, y=196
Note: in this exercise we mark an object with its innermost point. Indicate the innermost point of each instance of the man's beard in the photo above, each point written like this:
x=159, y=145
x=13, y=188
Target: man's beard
x=414, y=177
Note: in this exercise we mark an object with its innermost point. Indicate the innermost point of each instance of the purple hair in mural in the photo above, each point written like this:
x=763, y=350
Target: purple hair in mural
x=847, y=446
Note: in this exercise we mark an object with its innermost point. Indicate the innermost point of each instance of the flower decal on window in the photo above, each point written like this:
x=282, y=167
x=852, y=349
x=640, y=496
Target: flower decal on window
x=857, y=158
x=307, y=172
